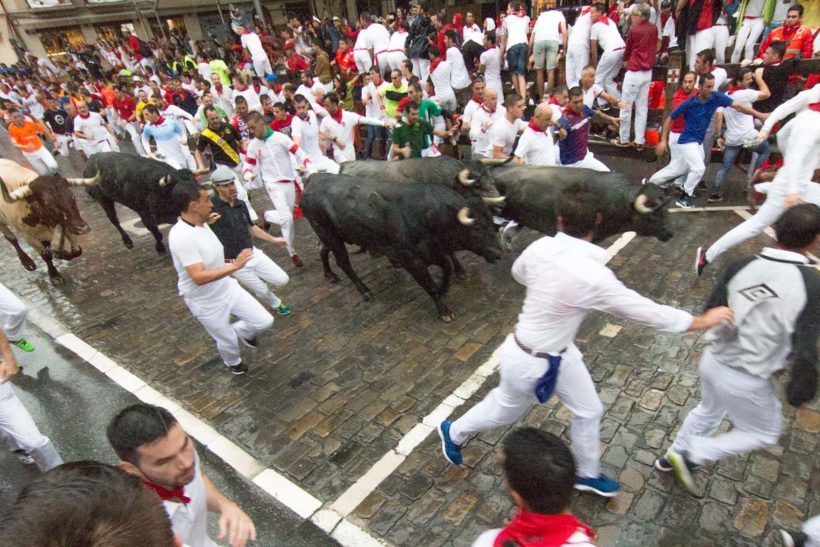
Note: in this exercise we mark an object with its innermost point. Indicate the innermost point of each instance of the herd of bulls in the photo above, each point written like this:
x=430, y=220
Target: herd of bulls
x=416, y=212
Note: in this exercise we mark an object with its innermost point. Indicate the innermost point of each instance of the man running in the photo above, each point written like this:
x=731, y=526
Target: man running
x=168, y=135
x=25, y=135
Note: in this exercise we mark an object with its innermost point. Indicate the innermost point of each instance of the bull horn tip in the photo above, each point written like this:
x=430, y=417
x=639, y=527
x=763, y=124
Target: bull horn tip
x=464, y=216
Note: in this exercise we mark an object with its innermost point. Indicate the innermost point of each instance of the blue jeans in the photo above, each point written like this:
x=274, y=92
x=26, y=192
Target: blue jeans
x=374, y=133
x=730, y=155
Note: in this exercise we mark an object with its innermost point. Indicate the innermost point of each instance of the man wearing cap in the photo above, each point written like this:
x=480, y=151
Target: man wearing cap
x=234, y=229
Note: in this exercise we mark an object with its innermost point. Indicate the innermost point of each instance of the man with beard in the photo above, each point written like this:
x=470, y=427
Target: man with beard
x=152, y=446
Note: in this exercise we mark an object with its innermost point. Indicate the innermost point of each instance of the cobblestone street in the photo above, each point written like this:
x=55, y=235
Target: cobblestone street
x=339, y=383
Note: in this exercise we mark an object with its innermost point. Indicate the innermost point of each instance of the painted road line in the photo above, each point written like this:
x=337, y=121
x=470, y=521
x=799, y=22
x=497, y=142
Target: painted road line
x=273, y=483
x=746, y=215
x=707, y=209
x=347, y=502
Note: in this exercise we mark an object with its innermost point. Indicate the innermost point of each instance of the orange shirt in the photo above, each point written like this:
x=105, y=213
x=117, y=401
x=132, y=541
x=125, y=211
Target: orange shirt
x=26, y=136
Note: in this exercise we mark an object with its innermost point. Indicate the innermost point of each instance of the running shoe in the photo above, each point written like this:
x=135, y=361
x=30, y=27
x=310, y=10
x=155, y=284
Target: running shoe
x=663, y=464
x=250, y=342
x=793, y=539
x=282, y=309
x=700, y=261
x=603, y=486
x=714, y=198
x=241, y=368
x=680, y=466
x=685, y=202
x=24, y=345
x=24, y=457
x=450, y=449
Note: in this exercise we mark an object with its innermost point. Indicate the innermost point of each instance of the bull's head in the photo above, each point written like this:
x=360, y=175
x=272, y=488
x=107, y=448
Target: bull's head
x=648, y=213
x=475, y=231
x=476, y=176
x=50, y=202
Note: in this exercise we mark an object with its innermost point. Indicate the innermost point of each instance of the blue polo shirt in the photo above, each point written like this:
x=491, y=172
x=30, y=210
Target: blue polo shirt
x=698, y=115
x=573, y=148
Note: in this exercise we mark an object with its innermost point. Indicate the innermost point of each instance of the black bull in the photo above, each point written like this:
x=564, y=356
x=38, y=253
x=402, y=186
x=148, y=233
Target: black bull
x=143, y=185
x=531, y=194
x=414, y=224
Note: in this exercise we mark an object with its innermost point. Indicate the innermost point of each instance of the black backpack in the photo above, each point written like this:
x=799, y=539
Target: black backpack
x=145, y=50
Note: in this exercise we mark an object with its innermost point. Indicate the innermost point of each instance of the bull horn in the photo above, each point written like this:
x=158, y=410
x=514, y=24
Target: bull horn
x=7, y=197
x=495, y=162
x=85, y=182
x=164, y=180
x=464, y=177
x=641, y=205
x=495, y=201
x=20, y=193
x=464, y=216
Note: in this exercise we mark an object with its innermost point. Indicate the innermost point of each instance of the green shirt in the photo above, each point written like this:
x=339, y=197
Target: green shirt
x=416, y=136
x=219, y=66
x=347, y=102
x=392, y=96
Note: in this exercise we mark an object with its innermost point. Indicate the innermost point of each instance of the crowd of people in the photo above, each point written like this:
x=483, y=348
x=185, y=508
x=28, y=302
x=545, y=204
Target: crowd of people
x=267, y=108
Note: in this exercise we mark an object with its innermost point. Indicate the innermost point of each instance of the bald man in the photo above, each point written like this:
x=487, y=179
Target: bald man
x=487, y=114
x=537, y=144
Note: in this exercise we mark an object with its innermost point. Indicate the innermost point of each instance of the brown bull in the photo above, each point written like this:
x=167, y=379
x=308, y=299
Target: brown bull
x=42, y=209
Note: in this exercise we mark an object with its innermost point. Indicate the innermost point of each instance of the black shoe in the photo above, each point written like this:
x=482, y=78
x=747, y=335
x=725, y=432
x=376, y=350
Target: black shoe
x=793, y=539
x=241, y=368
x=701, y=187
x=250, y=342
x=700, y=261
x=714, y=198
x=662, y=464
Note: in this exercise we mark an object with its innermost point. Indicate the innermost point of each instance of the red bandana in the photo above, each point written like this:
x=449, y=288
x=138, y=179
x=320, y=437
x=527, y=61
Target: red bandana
x=434, y=64
x=536, y=530
x=603, y=19
x=485, y=109
x=535, y=127
x=176, y=495
x=159, y=121
x=337, y=116
x=475, y=100
x=815, y=107
x=85, y=116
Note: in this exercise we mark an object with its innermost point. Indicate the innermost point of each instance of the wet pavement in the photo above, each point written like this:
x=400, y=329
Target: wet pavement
x=337, y=384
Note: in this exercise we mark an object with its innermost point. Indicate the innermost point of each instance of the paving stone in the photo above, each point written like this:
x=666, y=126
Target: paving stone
x=714, y=516
x=723, y=491
x=416, y=486
x=787, y=515
x=807, y=420
x=649, y=505
x=791, y=490
x=751, y=519
x=387, y=515
x=759, y=487
x=427, y=506
x=631, y=479
x=621, y=503
x=678, y=395
x=457, y=510
x=372, y=503
x=616, y=456
x=305, y=424
x=765, y=468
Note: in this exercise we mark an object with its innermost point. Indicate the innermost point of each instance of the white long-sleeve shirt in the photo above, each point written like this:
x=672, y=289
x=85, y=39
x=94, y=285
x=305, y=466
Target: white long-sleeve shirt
x=269, y=158
x=168, y=136
x=459, y=77
x=307, y=132
x=480, y=135
x=343, y=131
x=566, y=278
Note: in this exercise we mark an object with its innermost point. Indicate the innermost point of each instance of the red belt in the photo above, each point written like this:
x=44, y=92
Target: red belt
x=360, y=49
x=380, y=52
x=619, y=48
x=230, y=260
x=751, y=17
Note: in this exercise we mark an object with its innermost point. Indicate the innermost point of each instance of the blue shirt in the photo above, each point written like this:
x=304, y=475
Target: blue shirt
x=574, y=147
x=698, y=115
x=165, y=131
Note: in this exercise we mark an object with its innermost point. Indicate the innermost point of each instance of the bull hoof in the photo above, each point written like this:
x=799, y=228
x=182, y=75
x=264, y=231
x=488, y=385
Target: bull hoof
x=447, y=317
x=368, y=296
x=128, y=243
x=29, y=264
x=332, y=277
x=160, y=248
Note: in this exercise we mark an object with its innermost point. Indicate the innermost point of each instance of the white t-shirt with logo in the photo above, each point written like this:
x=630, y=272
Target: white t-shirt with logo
x=548, y=26
x=189, y=245
x=591, y=94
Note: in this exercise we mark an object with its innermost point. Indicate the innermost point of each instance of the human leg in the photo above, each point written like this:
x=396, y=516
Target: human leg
x=756, y=29
x=14, y=313
x=766, y=215
x=215, y=319
x=631, y=86
x=283, y=197
x=692, y=154
x=17, y=424
x=253, y=318
x=740, y=40
x=729, y=156
x=720, y=35
x=641, y=106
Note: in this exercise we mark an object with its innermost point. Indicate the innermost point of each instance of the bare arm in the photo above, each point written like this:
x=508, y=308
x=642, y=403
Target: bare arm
x=593, y=52
x=740, y=107
x=607, y=119
x=234, y=524
x=8, y=363
x=498, y=152
x=259, y=233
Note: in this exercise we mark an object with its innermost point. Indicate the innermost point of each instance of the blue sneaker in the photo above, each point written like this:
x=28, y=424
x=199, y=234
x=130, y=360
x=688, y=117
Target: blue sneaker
x=451, y=450
x=685, y=202
x=603, y=486
x=283, y=310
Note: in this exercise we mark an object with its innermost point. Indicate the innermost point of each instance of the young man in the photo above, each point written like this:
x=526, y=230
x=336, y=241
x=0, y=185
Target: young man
x=153, y=447
x=393, y=93
x=506, y=128
x=539, y=473
x=60, y=123
x=268, y=160
x=799, y=141
x=412, y=137
x=798, y=37
x=94, y=132
x=205, y=281
x=705, y=64
x=126, y=112
x=169, y=137
x=473, y=104
x=305, y=133
x=339, y=125
x=548, y=39
x=441, y=72
x=565, y=278
x=483, y=120
x=740, y=128
x=686, y=91
x=25, y=135
x=697, y=111
x=574, y=148
x=775, y=297
x=459, y=76
x=605, y=34
x=514, y=46
x=374, y=109
x=253, y=45
x=473, y=43
x=491, y=64
x=235, y=230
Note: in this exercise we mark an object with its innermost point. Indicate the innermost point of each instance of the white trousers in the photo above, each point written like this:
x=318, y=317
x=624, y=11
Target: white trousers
x=136, y=139
x=515, y=395
x=62, y=143
x=608, y=68
x=395, y=59
x=363, y=60
x=689, y=162
x=13, y=313
x=92, y=147
x=590, y=162
x=635, y=94
x=577, y=59
x=257, y=273
x=747, y=36
x=215, y=316
x=749, y=402
x=17, y=425
x=261, y=65
x=283, y=196
x=812, y=529
x=383, y=62
x=42, y=161
x=799, y=140
x=421, y=68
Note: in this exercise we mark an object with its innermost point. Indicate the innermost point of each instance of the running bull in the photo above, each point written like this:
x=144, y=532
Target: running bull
x=531, y=192
x=42, y=209
x=143, y=185
x=416, y=225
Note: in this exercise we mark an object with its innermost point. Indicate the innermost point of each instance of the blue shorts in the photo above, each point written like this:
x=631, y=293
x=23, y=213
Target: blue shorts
x=517, y=58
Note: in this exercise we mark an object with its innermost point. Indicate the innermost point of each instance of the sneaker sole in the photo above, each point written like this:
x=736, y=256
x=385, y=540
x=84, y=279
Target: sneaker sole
x=444, y=446
x=698, y=254
x=585, y=488
x=661, y=468
x=683, y=474
x=786, y=538
x=248, y=343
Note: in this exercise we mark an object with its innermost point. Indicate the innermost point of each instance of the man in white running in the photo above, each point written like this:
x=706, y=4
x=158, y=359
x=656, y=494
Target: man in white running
x=305, y=133
x=94, y=133
x=339, y=125
x=799, y=140
x=268, y=160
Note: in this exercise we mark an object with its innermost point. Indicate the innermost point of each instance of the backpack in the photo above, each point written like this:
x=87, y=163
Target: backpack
x=145, y=50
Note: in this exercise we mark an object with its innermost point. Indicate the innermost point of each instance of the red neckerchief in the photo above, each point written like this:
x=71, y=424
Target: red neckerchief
x=85, y=116
x=553, y=100
x=241, y=90
x=586, y=10
x=176, y=495
x=434, y=64
x=603, y=19
x=475, y=100
x=487, y=110
x=535, y=127
x=159, y=121
x=815, y=107
x=257, y=87
x=337, y=116
x=279, y=125
x=733, y=89
x=664, y=19
x=535, y=530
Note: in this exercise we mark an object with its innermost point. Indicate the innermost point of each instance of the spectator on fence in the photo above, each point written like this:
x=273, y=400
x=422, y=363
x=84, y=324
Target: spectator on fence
x=549, y=37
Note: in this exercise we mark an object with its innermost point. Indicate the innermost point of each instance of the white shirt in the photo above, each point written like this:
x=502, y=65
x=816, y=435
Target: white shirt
x=397, y=41
x=344, y=132
x=591, y=94
x=251, y=42
x=205, y=71
x=579, y=37
x=373, y=108
x=190, y=521
x=379, y=38
x=548, y=26
x=308, y=133
x=254, y=103
x=721, y=77
x=362, y=40
x=470, y=109
x=536, y=147
x=473, y=34
x=517, y=29
x=566, y=278
x=480, y=136
x=191, y=245
x=669, y=31
x=442, y=77
x=755, y=7
x=269, y=158
x=503, y=134
x=459, y=77
x=224, y=98
x=491, y=60
x=93, y=126
x=609, y=39
x=739, y=125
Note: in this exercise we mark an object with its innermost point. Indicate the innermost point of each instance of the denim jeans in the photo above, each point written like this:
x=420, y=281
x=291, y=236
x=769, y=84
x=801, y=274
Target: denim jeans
x=374, y=132
x=730, y=154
